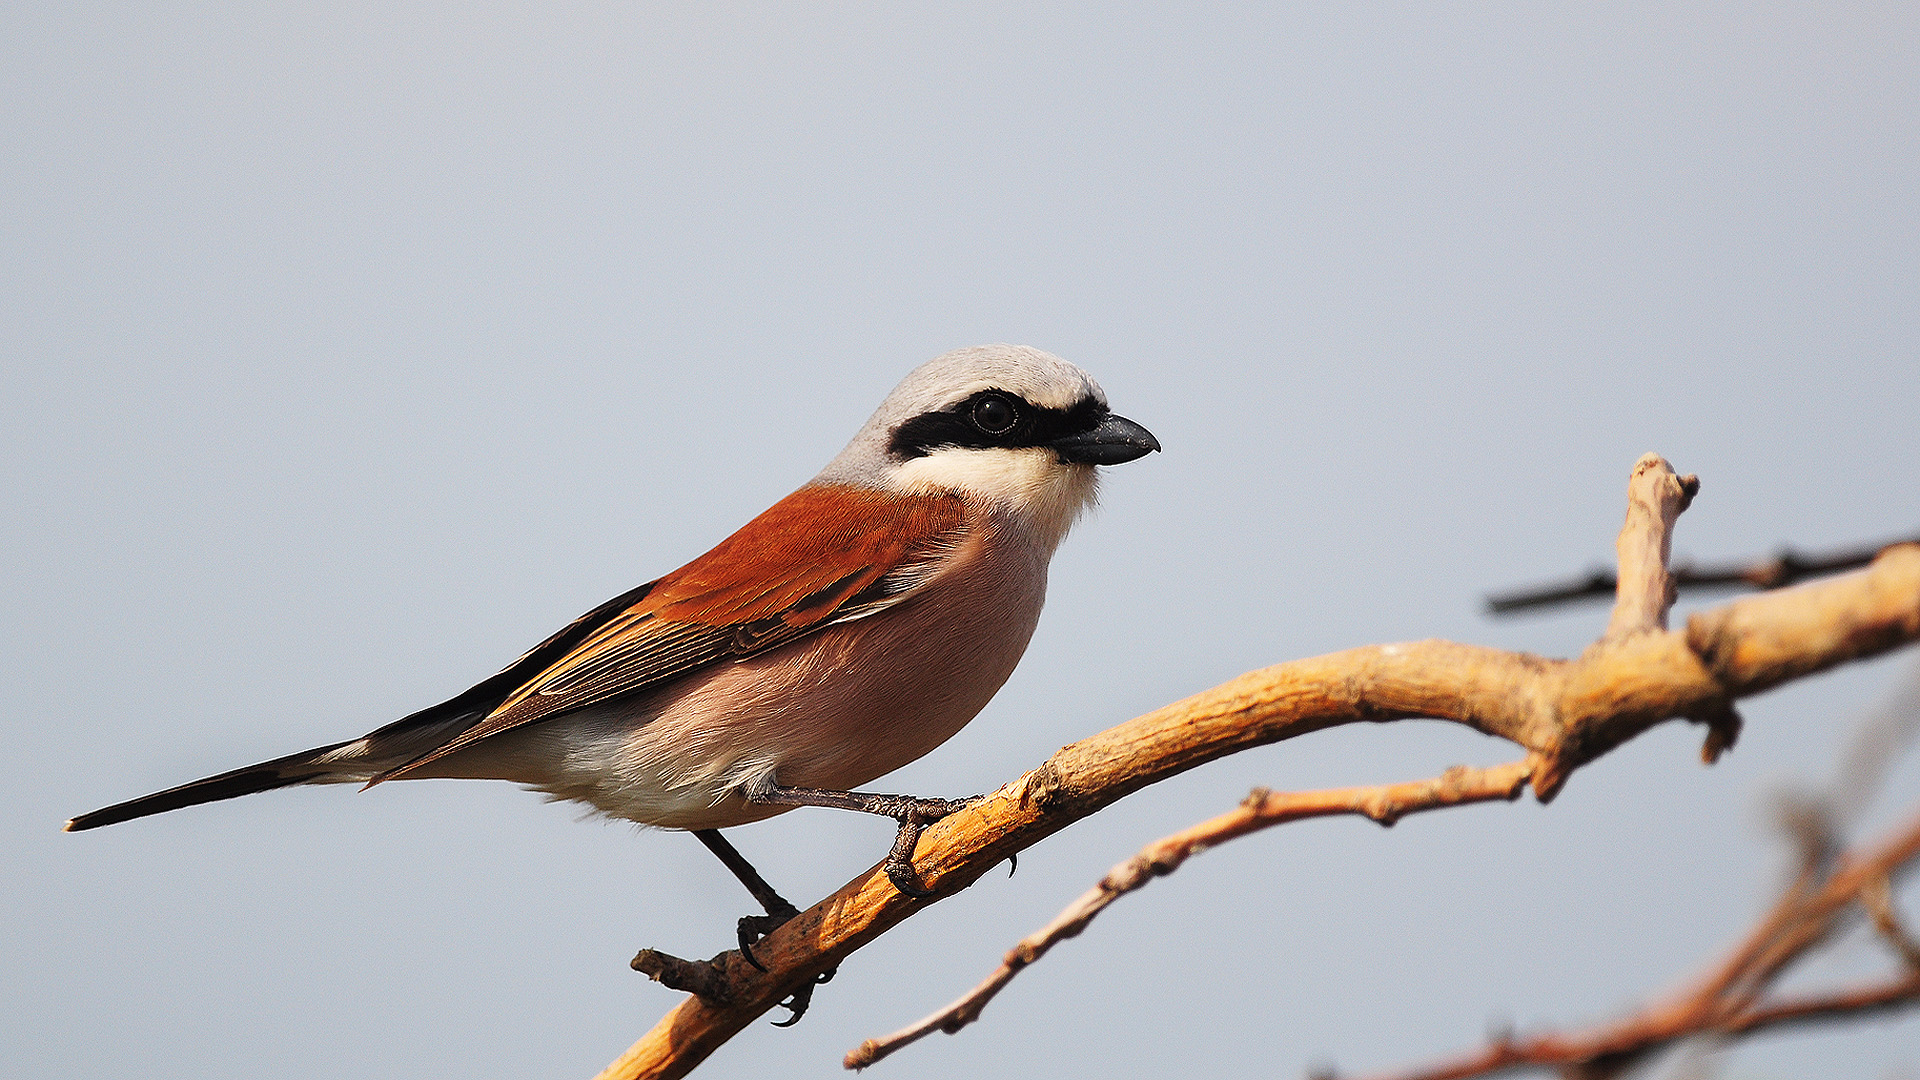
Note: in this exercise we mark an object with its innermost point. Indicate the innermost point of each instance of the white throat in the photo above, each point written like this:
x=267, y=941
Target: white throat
x=1030, y=482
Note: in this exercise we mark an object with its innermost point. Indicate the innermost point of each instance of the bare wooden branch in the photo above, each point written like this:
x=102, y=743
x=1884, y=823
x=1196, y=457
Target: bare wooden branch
x=1564, y=712
x=1655, y=499
x=1789, y=567
x=699, y=977
x=1567, y=711
x=1262, y=809
x=1727, y=1000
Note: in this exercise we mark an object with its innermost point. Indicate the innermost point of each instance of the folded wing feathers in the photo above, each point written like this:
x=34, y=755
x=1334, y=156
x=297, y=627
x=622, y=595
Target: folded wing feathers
x=699, y=615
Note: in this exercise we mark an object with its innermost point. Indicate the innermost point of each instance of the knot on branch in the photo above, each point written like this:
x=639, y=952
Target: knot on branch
x=1723, y=728
x=1045, y=789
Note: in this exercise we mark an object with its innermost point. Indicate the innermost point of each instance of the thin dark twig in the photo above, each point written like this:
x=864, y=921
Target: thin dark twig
x=1786, y=568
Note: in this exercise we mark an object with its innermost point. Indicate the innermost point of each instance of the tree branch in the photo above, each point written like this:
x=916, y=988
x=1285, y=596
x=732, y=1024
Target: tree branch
x=1564, y=712
x=1261, y=809
x=1655, y=500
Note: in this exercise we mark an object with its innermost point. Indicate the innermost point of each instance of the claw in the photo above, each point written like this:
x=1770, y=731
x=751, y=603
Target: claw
x=797, y=1005
x=803, y=997
x=902, y=877
x=752, y=928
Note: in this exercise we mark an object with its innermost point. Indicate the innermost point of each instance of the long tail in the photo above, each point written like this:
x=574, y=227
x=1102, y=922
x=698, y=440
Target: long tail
x=280, y=772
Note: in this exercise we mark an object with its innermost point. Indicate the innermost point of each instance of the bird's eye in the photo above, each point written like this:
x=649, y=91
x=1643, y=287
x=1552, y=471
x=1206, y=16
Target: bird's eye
x=994, y=415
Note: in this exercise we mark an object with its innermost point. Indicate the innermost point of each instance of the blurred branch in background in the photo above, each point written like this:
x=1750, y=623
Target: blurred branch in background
x=1563, y=713
x=1832, y=888
x=1790, y=567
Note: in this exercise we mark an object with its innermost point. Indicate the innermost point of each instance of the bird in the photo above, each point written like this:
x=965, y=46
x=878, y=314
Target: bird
x=853, y=627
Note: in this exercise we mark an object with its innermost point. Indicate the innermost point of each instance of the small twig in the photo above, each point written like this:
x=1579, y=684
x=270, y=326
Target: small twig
x=698, y=977
x=1787, y=568
x=1260, y=810
x=1656, y=497
x=1836, y=1006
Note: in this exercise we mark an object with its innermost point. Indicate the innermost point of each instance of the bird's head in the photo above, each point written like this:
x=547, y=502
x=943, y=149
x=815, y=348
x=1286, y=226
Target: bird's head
x=1007, y=424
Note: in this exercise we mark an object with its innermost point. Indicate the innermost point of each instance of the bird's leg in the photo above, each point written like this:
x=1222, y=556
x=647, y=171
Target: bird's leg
x=752, y=928
x=776, y=905
x=913, y=814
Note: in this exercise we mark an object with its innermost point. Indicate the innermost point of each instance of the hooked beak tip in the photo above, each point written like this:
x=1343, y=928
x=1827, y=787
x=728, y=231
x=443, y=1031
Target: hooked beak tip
x=1116, y=441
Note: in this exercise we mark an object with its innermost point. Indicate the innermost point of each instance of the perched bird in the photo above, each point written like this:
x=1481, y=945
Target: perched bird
x=848, y=630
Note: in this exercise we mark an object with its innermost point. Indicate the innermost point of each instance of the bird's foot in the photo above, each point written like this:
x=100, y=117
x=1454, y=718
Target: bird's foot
x=752, y=928
x=800, y=999
x=914, y=815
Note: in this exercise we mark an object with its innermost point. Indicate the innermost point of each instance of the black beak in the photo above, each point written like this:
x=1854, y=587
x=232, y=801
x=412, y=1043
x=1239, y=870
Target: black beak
x=1116, y=441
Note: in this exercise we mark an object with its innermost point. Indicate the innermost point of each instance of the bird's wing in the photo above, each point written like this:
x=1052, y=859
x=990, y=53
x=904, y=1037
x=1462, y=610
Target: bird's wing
x=823, y=555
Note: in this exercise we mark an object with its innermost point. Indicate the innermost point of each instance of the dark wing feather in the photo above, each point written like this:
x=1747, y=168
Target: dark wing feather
x=482, y=697
x=821, y=556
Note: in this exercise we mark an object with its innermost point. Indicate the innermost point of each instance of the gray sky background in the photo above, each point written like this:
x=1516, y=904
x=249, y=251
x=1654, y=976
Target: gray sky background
x=351, y=349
